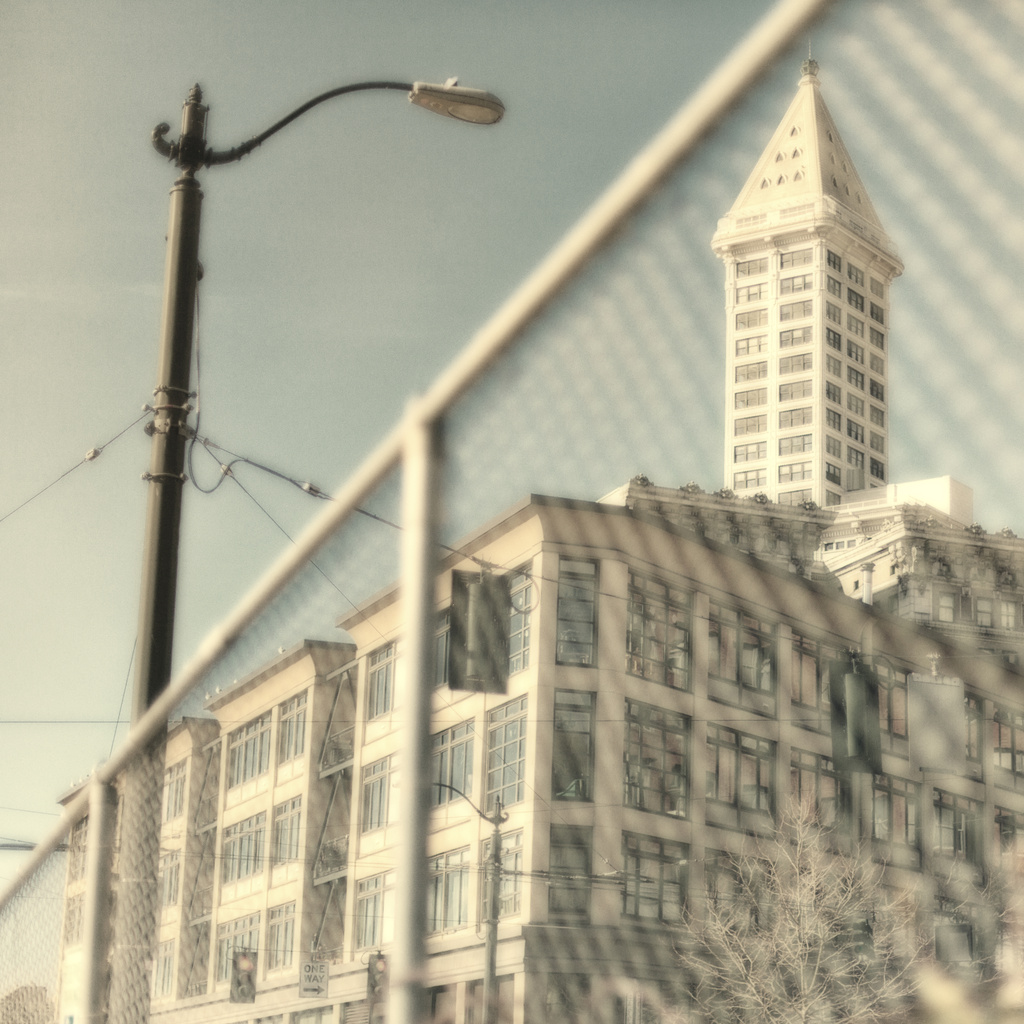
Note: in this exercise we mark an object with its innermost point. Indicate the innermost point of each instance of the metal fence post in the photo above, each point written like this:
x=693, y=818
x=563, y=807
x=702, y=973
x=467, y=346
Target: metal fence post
x=99, y=866
x=420, y=486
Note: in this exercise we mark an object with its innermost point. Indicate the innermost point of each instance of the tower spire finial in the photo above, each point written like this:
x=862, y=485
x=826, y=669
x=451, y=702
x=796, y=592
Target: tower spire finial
x=809, y=66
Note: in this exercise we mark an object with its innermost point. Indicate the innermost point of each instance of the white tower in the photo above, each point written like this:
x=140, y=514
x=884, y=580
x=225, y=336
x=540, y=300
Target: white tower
x=808, y=267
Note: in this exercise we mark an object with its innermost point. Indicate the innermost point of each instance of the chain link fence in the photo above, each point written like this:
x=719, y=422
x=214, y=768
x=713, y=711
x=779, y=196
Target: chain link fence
x=243, y=857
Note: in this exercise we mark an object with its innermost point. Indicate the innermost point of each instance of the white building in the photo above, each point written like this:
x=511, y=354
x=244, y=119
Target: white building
x=809, y=269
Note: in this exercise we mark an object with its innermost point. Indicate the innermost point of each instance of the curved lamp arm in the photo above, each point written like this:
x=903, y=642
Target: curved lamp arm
x=474, y=106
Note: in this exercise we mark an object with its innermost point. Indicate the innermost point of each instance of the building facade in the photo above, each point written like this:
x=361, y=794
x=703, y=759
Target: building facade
x=667, y=695
x=808, y=273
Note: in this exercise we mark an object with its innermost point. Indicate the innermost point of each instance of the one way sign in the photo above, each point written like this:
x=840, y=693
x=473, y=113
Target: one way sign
x=313, y=979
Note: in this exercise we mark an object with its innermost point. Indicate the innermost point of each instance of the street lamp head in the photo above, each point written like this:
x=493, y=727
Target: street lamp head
x=472, y=105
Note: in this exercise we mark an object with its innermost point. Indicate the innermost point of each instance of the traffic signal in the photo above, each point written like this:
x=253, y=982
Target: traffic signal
x=856, y=731
x=376, y=977
x=479, y=621
x=243, y=976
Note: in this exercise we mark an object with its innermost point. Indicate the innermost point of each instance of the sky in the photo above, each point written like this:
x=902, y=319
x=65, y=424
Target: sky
x=351, y=258
x=346, y=262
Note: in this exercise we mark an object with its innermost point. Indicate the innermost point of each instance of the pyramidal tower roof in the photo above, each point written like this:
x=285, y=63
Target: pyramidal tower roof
x=806, y=161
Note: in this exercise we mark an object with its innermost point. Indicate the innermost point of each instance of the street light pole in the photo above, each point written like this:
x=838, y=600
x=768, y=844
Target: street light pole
x=170, y=433
x=490, y=993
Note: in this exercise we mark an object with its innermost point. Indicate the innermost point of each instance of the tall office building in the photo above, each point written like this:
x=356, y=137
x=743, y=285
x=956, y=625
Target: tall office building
x=808, y=274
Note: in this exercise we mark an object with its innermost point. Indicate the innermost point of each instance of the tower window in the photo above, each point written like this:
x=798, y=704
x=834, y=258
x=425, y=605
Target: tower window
x=797, y=364
x=877, y=313
x=835, y=261
x=750, y=268
x=855, y=299
x=855, y=325
x=800, y=283
x=855, y=274
x=796, y=310
x=751, y=425
x=833, y=286
x=877, y=338
x=796, y=336
x=751, y=371
x=752, y=318
x=745, y=399
x=797, y=258
x=751, y=346
x=796, y=417
x=798, y=389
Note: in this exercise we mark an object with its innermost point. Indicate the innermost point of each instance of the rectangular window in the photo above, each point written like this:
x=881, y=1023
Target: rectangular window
x=796, y=336
x=855, y=299
x=751, y=268
x=658, y=631
x=877, y=288
x=741, y=649
x=957, y=820
x=833, y=287
x=855, y=325
x=240, y=935
x=877, y=416
x=833, y=419
x=892, y=703
x=249, y=751
x=656, y=759
x=510, y=889
x=521, y=590
x=751, y=318
x=751, y=371
x=834, y=260
x=983, y=612
x=834, y=366
x=796, y=258
x=877, y=442
x=834, y=339
x=751, y=425
x=796, y=417
x=833, y=473
x=174, y=791
x=855, y=377
x=750, y=452
x=569, y=878
x=654, y=887
x=376, y=788
x=833, y=313
x=855, y=274
x=877, y=338
x=894, y=810
x=876, y=390
x=448, y=891
x=752, y=293
x=877, y=364
x=170, y=871
x=833, y=392
x=74, y=919
x=163, y=970
x=795, y=497
x=798, y=389
x=797, y=364
x=855, y=404
x=833, y=446
x=877, y=469
x=792, y=285
x=739, y=769
x=442, y=647
x=380, y=681
x=1008, y=740
x=795, y=471
x=855, y=458
x=572, y=755
x=855, y=431
x=946, y=608
x=877, y=313
x=749, y=399
x=291, y=740
x=810, y=677
x=750, y=478
x=577, y=613
x=855, y=351
x=451, y=764
x=506, y=753
x=286, y=832
x=797, y=443
x=375, y=911
x=814, y=784
x=244, y=842
x=752, y=346
x=1008, y=614
x=280, y=936
x=796, y=310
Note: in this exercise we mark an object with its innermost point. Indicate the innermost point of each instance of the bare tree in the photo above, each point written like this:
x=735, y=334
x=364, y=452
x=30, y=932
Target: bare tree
x=802, y=928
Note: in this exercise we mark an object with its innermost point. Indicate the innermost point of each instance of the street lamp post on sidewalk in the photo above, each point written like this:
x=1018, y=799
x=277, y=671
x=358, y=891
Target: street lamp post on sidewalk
x=490, y=993
x=166, y=477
